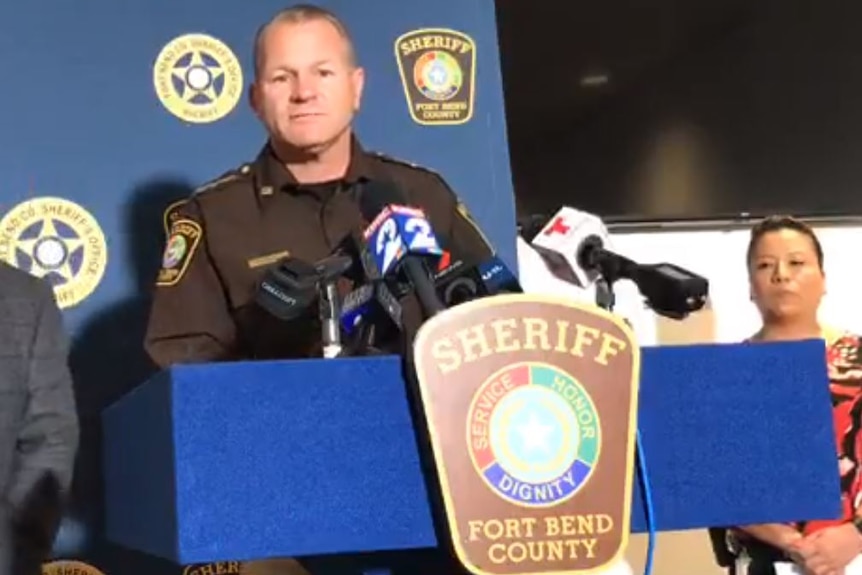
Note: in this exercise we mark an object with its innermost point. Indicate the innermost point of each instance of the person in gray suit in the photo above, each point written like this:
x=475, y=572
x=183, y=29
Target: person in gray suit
x=38, y=421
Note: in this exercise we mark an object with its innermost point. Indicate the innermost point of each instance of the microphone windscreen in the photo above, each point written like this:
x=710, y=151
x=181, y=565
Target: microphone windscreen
x=376, y=195
x=562, y=239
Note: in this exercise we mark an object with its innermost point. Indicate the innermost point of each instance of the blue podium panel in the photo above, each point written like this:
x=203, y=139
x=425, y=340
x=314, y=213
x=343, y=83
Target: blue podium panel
x=251, y=460
x=736, y=435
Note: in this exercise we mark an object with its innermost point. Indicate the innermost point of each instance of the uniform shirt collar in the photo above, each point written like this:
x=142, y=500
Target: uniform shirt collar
x=275, y=177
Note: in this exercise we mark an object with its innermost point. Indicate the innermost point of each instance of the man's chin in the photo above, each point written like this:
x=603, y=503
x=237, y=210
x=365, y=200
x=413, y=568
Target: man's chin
x=295, y=151
x=314, y=147
x=308, y=143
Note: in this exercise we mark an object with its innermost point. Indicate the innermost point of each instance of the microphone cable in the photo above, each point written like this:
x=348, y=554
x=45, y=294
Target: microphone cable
x=649, y=511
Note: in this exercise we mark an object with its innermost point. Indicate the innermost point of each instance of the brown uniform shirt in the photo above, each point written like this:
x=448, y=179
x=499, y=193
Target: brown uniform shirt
x=222, y=239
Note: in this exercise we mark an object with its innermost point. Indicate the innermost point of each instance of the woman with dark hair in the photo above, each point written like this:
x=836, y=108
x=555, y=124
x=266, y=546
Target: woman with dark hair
x=787, y=283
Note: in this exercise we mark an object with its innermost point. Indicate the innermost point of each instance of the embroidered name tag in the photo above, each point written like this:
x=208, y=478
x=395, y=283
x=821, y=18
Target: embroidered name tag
x=266, y=260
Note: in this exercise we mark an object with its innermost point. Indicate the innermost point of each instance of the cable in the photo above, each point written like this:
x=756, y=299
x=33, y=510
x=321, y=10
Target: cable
x=648, y=507
x=605, y=299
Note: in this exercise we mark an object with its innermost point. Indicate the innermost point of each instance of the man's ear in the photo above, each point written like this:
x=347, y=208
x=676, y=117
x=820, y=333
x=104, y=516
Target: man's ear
x=358, y=79
x=253, y=98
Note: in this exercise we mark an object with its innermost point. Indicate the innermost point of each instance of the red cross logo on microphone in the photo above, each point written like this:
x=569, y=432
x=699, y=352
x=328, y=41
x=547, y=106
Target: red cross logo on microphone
x=558, y=227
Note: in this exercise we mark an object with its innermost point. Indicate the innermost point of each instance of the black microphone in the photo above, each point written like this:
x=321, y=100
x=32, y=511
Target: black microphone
x=498, y=278
x=401, y=241
x=670, y=290
x=574, y=245
x=363, y=269
x=288, y=289
x=460, y=283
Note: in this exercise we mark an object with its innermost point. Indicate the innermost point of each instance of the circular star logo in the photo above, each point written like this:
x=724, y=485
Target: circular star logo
x=438, y=75
x=533, y=434
x=198, y=78
x=58, y=240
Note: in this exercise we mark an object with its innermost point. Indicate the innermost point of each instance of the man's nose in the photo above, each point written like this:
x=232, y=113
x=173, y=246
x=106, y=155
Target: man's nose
x=304, y=88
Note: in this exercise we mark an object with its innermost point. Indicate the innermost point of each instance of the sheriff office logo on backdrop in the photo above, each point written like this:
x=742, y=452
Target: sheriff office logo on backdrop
x=438, y=72
x=198, y=78
x=217, y=568
x=531, y=405
x=69, y=568
x=59, y=240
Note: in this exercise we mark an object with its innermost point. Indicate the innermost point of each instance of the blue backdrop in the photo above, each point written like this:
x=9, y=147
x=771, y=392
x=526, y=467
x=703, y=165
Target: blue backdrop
x=84, y=124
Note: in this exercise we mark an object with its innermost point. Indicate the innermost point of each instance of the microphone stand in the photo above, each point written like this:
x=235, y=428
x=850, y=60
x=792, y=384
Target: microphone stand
x=609, y=273
x=330, y=313
x=329, y=270
x=605, y=297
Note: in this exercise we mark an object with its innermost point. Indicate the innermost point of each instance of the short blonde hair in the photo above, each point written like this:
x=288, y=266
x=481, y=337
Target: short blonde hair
x=299, y=14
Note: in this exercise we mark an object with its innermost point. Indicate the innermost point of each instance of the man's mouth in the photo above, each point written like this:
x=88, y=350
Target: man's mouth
x=305, y=115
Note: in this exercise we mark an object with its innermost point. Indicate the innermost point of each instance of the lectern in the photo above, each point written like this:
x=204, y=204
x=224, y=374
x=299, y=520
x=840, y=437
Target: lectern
x=239, y=461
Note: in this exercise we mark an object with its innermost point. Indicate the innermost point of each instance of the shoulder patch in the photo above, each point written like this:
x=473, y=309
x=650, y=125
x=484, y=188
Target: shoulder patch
x=226, y=178
x=184, y=239
x=171, y=214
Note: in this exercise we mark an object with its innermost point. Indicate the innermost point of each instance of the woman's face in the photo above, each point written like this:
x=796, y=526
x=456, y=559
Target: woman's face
x=786, y=279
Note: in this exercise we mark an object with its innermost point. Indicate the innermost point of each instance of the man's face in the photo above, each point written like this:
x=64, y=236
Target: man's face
x=307, y=87
x=786, y=279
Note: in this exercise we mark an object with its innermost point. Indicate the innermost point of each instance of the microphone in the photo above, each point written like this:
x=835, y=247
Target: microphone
x=288, y=289
x=364, y=268
x=353, y=309
x=328, y=271
x=461, y=283
x=401, y=241
x=370, y=314
x=562, y=238
x=498, y=278
x=670, y=290
x=574, y=244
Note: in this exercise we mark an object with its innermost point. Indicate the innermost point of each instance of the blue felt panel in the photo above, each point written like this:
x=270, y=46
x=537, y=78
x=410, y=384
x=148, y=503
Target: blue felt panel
x=319, y=457
x=296, y=458
x=137, y=453
x=737, y=434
